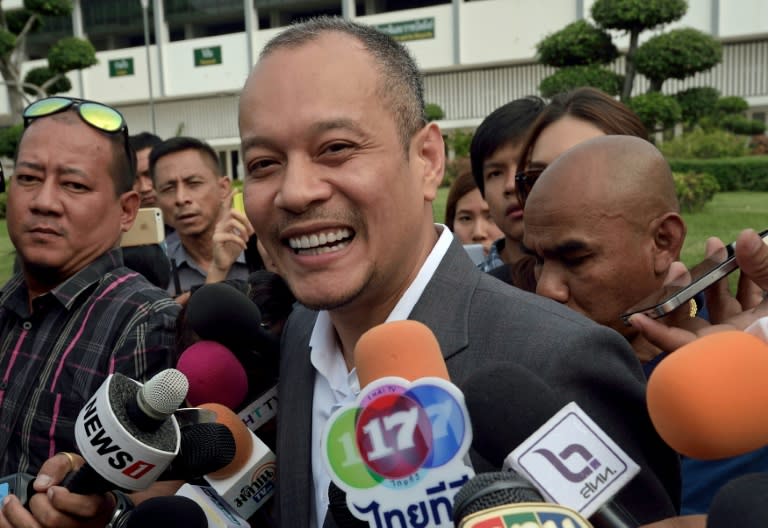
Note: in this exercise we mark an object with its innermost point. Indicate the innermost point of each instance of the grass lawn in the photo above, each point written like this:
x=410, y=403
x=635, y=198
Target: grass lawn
x=723, y=217
x=6, y=254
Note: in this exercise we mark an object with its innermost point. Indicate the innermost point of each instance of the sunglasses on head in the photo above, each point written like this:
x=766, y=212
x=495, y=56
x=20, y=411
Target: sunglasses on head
x=524, y=181
x=97, y=115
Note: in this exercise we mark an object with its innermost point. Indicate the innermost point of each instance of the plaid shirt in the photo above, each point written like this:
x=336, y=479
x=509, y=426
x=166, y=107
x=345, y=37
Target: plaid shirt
x=104, y=319
x=493, y=260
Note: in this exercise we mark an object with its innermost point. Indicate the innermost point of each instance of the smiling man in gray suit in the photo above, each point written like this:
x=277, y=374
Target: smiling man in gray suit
x=342, y=170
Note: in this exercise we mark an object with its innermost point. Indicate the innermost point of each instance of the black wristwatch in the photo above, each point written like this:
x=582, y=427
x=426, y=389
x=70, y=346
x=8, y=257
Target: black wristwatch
x=123, y=506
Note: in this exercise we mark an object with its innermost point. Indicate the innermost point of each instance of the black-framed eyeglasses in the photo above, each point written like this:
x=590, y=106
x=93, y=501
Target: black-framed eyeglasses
x=97, y=115
x=524, y=181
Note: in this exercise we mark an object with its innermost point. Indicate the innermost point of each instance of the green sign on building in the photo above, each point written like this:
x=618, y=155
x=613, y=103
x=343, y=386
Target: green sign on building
x=208, y=56
x=423, y=28
x=120, y=67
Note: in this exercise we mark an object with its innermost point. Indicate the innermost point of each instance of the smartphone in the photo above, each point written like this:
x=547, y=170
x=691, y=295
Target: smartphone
x=700, y=277
x=147, y=229
x=19, y=484
x=237, y=202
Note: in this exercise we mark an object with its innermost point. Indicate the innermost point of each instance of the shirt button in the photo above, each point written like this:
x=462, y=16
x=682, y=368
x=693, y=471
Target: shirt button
x=27, y=325
x=3, y=385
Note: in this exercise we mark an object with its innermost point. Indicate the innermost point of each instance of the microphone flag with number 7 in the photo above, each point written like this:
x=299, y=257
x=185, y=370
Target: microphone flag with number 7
x=399, y=451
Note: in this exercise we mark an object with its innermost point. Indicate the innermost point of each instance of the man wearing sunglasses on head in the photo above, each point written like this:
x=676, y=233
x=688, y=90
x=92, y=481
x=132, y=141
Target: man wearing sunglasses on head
x=74, y=313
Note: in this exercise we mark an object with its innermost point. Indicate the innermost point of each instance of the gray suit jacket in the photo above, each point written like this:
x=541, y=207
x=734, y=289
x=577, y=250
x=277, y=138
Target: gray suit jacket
x=479, y=320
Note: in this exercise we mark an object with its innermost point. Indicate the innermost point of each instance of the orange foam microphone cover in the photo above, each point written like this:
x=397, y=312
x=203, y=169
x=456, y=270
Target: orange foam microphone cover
x=407, y=349
x=709, y=398
x=241, y=434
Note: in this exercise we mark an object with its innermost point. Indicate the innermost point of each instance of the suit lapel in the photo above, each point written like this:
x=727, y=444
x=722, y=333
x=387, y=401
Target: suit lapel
x=451, y=286
x=294, y=426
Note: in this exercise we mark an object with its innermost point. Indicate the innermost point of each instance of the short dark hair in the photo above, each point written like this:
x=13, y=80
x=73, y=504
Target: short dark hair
x=401, y=85
x=590, y=105
x=507, y=124
x=123, y=167
x=178, y=144
x=144, y=140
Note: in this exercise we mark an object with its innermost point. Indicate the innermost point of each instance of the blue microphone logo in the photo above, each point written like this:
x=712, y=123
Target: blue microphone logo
x=557, y=461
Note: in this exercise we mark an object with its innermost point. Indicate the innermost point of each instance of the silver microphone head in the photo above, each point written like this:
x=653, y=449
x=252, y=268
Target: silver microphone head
x=163, y=394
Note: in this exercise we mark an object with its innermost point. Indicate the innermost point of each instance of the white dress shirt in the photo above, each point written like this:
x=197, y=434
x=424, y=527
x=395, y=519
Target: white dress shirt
x=334, y=385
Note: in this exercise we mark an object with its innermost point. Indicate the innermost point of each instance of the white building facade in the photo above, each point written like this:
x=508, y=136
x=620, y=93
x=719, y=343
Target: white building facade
x=475, y=55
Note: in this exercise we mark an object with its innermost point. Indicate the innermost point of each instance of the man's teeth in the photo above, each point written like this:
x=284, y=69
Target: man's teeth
x=316, y=243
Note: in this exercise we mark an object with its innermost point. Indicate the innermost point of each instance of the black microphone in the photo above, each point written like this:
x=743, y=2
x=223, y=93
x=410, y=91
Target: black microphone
x=505, y=498
x=740, y=502
x=127, y=433
x=204, y=448
x=222, y=313
x=338, y=510
x=165, y=512
x=488, y=490
x=508, y=404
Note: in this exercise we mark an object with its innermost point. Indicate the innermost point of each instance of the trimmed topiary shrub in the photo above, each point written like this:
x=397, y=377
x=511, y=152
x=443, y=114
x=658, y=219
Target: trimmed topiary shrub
x=566, y=79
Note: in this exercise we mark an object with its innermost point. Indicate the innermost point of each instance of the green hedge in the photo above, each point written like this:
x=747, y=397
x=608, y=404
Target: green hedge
x=748, y=173
x=694, y=190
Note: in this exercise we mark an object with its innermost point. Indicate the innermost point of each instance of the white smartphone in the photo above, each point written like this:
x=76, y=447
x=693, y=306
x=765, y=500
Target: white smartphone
x=701, y=276
x=147, y=229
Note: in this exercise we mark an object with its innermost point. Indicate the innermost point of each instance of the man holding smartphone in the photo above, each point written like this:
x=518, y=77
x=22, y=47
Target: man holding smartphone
x=604, y=223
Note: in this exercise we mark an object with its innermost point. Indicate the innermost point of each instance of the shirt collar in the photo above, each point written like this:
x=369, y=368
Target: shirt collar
x=178, y=252
x=15, y=295
x=325, y=353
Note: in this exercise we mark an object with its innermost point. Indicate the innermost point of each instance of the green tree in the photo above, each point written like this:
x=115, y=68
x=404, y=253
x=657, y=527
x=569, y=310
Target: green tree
x=459, y=141
x=731, y=104
x=634, y=17
x=9, y=140
x=697, y=103
x=578, y=50
x=577, y=44
x=572, y=77
x=677, y=54
x=656, y=110
x=433, y=112
x=43, y=78
x=66, y=55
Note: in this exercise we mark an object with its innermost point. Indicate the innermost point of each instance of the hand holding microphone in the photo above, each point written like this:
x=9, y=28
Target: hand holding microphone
x=55, y=504
x=127, y=433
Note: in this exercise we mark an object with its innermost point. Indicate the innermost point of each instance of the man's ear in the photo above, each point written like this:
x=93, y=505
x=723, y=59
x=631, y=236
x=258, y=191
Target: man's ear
x=225, y=185
x=668, y=237
x=129, y=205
x=428, y=153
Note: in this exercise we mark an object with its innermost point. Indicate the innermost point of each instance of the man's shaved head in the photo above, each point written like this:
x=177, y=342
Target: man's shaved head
x=603, y=220
x=617, y=173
